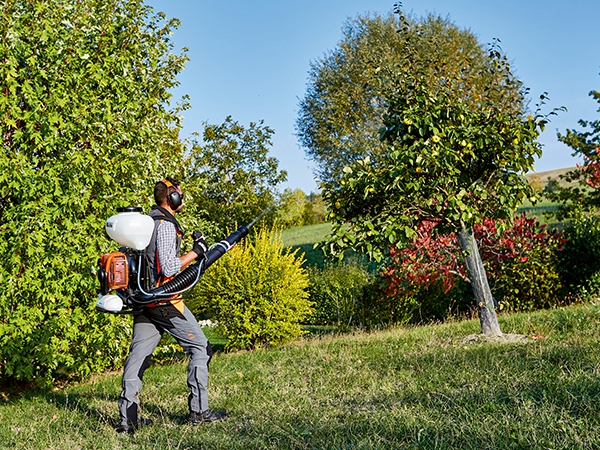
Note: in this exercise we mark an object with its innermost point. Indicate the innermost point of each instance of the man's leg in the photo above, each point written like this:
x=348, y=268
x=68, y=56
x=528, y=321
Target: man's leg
x=146, y=337
x=190, y=336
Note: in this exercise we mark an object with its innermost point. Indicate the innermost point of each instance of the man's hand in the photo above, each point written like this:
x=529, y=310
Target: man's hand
x=200, y=247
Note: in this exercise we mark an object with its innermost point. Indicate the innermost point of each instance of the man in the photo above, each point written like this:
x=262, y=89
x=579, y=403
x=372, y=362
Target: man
x=170, y=315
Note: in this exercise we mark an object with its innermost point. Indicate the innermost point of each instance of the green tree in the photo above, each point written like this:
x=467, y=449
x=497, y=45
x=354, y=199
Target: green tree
x=455, y=153
x=86, y=127
x=230, y=173
x=296, y=209
x=291, y=208
x=344, y=105
x=315, y=210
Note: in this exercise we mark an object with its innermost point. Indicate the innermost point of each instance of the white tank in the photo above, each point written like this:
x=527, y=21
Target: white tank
x=130, y=228
x=109, y=303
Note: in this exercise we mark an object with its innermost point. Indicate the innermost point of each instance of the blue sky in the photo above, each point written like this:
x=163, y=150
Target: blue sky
x=250, y=59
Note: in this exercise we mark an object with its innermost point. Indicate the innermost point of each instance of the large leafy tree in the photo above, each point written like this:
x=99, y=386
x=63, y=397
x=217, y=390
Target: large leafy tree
x=343, y=108
x=86, y=127
x=455, y=153
x=230, y=174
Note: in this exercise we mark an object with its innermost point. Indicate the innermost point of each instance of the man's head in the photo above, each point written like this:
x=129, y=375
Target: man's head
x=167, y=193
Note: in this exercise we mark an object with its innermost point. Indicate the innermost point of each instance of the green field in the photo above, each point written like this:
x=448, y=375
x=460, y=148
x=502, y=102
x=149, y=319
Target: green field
x=430, y=387
x=304, y=238
x=438, y=386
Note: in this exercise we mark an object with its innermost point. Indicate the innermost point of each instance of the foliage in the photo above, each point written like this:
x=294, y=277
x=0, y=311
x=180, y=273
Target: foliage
x=520, y=264
x=86, y=127
x=315, y=210
x=445, y=163
x=291, y=208
x=229, y=174
x=347, y=90
x=424, y=261
x=257, y=293
x=579, y=262
x=339, y=292
x=579, y=195
x=536, y=183
x=583, y=190
x=296, y=209
x=431, y=303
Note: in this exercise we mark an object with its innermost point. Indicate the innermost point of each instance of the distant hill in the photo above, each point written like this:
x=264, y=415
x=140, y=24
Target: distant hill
x=543, y=177
x=553, y=174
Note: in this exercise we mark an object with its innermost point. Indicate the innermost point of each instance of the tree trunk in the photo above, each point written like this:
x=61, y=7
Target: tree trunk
x=479, y=283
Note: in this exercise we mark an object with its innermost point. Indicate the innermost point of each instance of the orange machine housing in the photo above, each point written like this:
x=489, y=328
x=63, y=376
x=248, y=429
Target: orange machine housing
x=117, y=270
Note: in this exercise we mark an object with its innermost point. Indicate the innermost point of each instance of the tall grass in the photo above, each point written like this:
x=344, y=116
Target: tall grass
x=423, y=387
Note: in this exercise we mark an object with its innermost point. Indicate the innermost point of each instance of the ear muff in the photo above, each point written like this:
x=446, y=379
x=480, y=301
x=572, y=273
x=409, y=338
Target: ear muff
x=175, y=199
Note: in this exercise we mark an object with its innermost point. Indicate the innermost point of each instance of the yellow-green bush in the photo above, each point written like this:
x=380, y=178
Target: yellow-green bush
x=257, y=293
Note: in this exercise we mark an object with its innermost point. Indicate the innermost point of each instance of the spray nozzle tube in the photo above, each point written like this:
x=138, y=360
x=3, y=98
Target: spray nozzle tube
x=191, y=274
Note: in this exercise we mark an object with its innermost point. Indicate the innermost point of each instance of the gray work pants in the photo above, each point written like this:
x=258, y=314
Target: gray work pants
x=148, y=328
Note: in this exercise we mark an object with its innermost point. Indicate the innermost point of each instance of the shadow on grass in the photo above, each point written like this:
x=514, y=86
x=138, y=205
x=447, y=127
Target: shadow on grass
x=313, y=257
x=320, y=330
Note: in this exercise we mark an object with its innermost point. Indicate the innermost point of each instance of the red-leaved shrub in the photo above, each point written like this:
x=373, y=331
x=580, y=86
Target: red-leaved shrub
x=520, y=263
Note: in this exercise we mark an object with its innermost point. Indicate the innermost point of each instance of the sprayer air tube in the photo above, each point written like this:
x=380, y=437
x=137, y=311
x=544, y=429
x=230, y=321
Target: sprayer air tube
x=190, y=274
x=180, y=282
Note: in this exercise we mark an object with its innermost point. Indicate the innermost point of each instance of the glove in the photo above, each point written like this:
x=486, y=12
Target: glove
x=200, y=247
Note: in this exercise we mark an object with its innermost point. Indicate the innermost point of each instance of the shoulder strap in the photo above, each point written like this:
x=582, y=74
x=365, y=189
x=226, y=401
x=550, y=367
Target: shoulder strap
x=160, y=213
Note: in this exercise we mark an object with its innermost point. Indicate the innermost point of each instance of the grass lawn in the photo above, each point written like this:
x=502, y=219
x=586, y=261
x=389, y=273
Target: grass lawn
x=411, y=388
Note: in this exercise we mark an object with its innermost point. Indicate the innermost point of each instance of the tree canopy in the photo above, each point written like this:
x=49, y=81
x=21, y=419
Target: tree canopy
x=344, y=105
x=230, y=174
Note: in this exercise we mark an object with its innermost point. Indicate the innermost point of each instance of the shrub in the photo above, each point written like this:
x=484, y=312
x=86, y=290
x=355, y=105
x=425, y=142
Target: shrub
x=427, y=303
x=339, y=292
x=579, y=260
x=520, y=264
x=257, y=293
x=86, y=127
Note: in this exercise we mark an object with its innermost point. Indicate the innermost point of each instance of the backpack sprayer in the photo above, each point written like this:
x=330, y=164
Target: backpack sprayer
x=128, y=274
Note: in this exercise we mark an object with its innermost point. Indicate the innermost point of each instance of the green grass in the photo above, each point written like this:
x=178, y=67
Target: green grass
x=416, y=388
x=304, y=238
x=305, y=235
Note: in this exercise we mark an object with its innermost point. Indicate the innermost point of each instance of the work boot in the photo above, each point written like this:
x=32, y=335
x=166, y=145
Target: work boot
x=130, y=427
x=206, y=416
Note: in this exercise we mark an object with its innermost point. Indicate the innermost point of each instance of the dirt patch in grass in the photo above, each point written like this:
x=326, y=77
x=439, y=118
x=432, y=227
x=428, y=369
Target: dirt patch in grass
x=505, y=338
